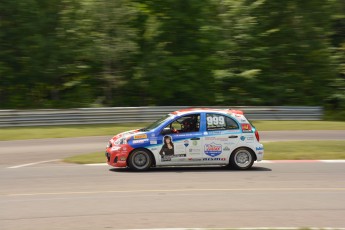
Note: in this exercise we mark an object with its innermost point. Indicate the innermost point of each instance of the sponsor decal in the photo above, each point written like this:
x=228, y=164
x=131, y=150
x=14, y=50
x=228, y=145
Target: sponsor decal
x=250, y=138
x=115, y=148
x=154, y=142
x=243, y=138
x=214, y=159
x=179, y=148
x=153, y=149
x=140, y=136
x=213, y=149
x=195, y=142
x=122, y=158
x=184, y=135
x=216, y=138
x=216, y=132
x=246, y=128
x=228, y=143
x=194, y=151
x=169, y=157
x=194, y=159
x=205, y=133
x=140, y=141
x=259, y=148
x=186, y=143
x=152, y=135
x=166, y=158
x=226, y=148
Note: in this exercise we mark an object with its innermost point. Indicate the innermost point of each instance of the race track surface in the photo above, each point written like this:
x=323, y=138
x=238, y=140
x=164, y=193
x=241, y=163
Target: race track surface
x=28, y=151
x=38, y=191
x=56, y=196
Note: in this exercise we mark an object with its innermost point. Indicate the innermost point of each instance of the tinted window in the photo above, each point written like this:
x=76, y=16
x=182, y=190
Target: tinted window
x=220, y=122
x=188, y=123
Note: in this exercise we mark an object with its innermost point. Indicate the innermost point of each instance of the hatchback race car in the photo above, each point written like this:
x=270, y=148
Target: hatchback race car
x=187, y=138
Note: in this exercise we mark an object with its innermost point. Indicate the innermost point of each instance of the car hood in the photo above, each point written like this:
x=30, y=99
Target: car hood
x=129, y=134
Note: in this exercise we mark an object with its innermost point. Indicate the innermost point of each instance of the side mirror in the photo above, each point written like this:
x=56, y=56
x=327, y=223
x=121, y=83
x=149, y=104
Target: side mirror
x=166, y=130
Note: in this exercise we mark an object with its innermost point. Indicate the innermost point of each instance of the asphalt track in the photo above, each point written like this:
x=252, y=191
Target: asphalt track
x=28, y=151
x=55, y=195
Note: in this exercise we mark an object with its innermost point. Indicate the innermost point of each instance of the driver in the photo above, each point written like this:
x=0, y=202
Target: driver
x=189, y=125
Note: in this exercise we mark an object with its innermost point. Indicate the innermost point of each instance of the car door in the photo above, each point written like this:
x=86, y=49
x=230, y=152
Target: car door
x=181, y=142
x=221, y=138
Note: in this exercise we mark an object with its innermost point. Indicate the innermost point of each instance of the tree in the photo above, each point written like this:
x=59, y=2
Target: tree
x=178, y=66
x=279, y=52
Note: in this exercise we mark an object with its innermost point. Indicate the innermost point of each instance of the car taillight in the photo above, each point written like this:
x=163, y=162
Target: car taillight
x=257, y=135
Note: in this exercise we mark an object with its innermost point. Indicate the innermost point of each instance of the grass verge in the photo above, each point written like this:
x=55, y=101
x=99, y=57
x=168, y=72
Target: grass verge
x=305, y=150
x=88, y=158
x=39, y=132
x=289, y=150
x=298, y=125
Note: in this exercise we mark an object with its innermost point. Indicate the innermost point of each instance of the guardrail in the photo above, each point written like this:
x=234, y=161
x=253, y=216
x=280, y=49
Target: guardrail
x=109, y=115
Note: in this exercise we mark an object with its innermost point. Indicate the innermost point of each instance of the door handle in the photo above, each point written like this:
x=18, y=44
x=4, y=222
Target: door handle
x=195, y=138
x=233, y=136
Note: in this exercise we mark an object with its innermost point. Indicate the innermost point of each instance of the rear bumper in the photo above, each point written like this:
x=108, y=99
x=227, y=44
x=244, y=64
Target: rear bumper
x=259, y=151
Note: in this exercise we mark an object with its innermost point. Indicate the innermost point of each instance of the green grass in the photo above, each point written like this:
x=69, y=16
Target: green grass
x=39, y=132
x=298, y=125
x=289, y=150
x=304, y=150
x=88, y=158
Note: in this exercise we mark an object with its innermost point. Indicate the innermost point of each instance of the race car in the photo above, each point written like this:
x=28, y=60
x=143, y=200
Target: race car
x=189, y=137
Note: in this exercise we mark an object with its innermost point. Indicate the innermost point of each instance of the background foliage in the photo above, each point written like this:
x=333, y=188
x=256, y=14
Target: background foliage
x=87, y=53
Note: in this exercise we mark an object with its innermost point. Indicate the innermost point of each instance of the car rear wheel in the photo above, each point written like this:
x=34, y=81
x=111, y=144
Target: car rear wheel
x=140, y=160
x=242, y=159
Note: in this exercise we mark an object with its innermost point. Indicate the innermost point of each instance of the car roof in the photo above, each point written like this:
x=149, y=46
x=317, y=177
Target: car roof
x=200, y=110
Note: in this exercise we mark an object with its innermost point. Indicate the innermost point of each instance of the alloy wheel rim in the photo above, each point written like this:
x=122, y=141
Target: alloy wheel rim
x=140, y=160
x=243, y=158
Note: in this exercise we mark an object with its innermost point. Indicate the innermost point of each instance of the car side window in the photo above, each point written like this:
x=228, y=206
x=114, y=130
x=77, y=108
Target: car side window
x=220, y=122
x=188, y=123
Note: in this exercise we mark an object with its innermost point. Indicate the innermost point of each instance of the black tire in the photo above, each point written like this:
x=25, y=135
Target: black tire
x=140, y=160
x=242, y=159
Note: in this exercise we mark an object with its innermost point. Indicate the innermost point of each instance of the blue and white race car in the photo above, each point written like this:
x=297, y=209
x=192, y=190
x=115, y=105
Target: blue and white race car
x=186, y=138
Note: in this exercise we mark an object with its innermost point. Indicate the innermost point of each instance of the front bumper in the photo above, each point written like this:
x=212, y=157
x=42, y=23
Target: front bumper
x=117, y=156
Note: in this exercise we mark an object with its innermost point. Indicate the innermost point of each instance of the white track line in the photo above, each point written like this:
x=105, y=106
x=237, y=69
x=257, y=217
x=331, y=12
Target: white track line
x=97, y=164
x=299, y=161
x=332, y=161
x=341, y=189
x=264, y=162
x=260, y=162
x=256, y=228
x=33, y=163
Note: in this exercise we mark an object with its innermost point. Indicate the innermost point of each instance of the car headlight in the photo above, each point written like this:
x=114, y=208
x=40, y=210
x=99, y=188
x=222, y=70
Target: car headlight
x=121, y=141
x=109, y=144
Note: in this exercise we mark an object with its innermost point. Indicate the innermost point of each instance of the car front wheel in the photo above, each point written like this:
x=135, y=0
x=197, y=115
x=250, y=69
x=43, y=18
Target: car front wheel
x=140, y=160
x=242, y=159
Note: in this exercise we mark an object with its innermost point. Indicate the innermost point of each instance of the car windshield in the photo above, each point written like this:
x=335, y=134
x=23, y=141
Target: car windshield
x=157, y=123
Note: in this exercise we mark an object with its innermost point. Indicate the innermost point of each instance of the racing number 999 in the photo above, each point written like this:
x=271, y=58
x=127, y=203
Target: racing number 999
x=215, y=120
